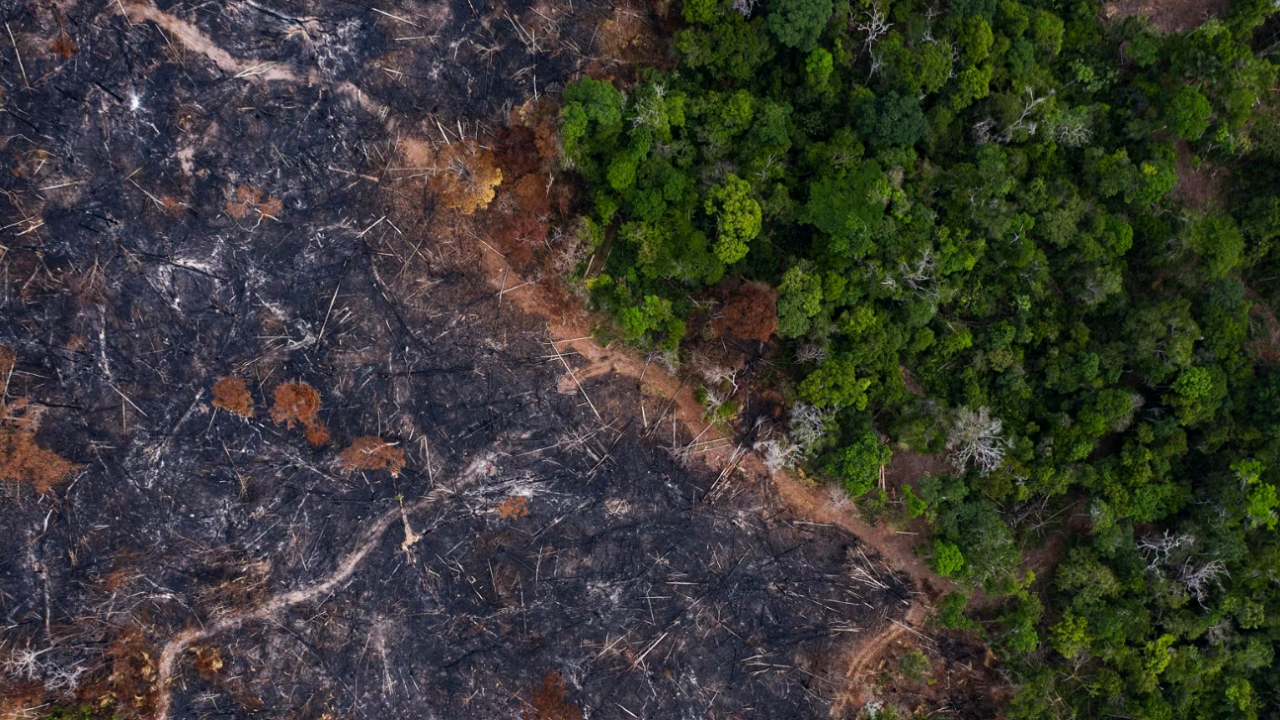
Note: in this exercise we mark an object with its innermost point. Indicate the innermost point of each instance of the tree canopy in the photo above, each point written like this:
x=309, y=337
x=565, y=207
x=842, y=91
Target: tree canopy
x=1062, y=233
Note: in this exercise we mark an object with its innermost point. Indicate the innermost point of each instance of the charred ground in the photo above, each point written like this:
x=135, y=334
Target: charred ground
x=201, y=192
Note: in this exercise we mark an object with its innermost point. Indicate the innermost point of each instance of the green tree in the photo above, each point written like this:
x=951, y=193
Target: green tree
x=914, y=665
x=705, y=12
x=798, y=23
x=975, y=39
x=589, y=102
x=972, y=84
x=818, y=67
x=835, y=384
x=652, y=315
x=621, y=172
x=737, y=217
x=1196, y=392
x=800, y=298
x=732, y=48
x=1240, y=696
x=1261, y=499
x=843, y=206
x=1070, y=636
x=857, y=466
x=947, y=560
x=933, y=67
x=1047, y=31
x=892, y=119
x=1188, y=113
x=1218, y=241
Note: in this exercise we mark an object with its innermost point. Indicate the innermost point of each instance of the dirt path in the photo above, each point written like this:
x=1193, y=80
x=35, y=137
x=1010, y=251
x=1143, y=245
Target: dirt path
x=196, y=41
x=570, y=331
x=867, y=653
x=894, y=546
x=276, y=604
x=193, y=39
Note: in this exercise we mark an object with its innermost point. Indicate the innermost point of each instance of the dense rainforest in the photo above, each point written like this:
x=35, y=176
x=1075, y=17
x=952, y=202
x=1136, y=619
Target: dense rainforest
x=1041, y=240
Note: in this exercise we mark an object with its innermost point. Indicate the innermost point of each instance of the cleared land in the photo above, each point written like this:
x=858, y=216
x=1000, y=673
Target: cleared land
x=313, y=463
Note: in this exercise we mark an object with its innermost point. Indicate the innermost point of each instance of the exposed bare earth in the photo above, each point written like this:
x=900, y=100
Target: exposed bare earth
x=214, y=191
x=1199, y=187
x=1168, y=16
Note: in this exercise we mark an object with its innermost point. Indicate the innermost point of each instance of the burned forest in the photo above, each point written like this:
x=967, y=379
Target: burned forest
x=280, y=439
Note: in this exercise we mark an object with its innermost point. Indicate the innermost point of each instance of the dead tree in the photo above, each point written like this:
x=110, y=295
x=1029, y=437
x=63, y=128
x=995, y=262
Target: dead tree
x=1156, y=549
x=920, y=276
x=1197, y=578
x=975, y=438
x=876, y=26
x=985, y=130
x=806, y=428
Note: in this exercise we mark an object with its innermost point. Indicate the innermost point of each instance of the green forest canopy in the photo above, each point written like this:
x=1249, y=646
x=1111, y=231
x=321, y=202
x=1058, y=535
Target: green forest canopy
x=984, y=193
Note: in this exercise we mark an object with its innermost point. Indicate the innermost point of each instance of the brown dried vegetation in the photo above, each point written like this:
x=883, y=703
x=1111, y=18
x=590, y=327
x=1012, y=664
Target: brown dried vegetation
x=172, y=206
x=299, y=403
x=541, y=117
x=465, y=176
x=295, y=403
x=1199, y=184
x=236, y=580
x=513, y=508
x=208, y=661
x=21, y=701
x=370, y=452
x=752, y=313
x=131, y=684
x=549, y=701
x=244, y=200
x=317, y=434
x=231, y=394
x=522, y=226
x=64, y=44
x=88, y=287
x=1264, y=343
x=21, y=460
x=29, y=164
x=1167, y=16
x=628, y=37
x=8, y=359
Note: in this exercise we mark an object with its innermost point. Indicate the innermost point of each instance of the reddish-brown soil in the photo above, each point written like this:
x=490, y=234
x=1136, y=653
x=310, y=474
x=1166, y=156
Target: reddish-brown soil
x=908, y=467
x=1264, y=344
x=895, y=547
x=1199, y=188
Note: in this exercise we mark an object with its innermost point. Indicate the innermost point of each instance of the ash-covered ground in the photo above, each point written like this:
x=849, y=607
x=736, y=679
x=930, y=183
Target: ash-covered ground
x=204, y=190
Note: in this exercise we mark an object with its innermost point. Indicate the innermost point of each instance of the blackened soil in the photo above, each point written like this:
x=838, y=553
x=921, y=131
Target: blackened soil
x=174, y=214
